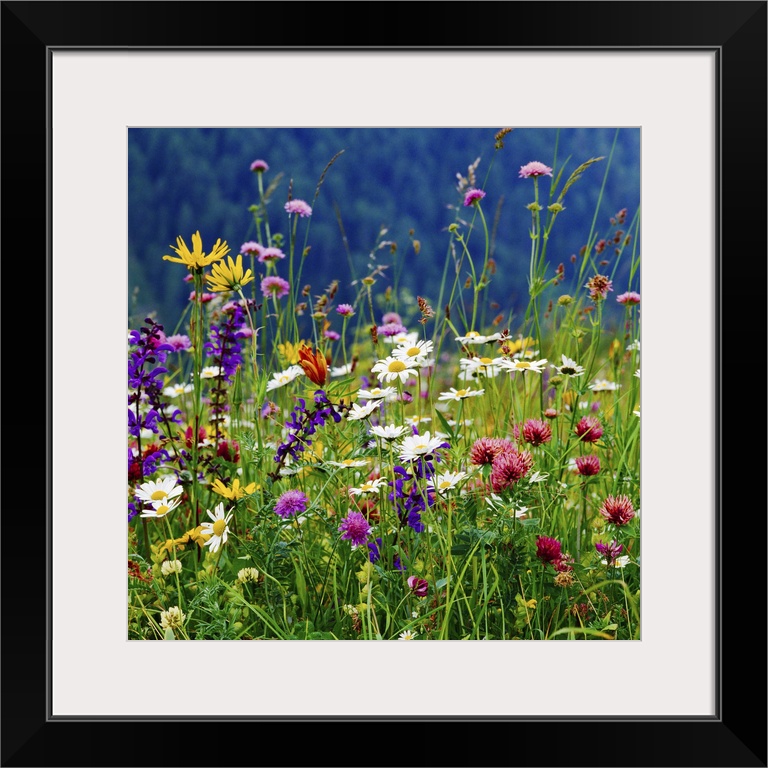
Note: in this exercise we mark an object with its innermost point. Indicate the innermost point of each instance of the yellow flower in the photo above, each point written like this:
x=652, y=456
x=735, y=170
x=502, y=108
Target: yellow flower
x=196, y=259
x=235, y=492
x=290, y=352
x=195, y=534
x=229, y=278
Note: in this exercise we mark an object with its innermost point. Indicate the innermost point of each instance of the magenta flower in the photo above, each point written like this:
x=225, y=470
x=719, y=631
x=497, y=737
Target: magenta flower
x=259, y=166
x=617, y=510
x=630, y=297
x=332, y=335
x=391, y=329
x=355, y=529
x=551, y=413
x=599, y=285
x=275, y=286
x=270, y=254
x=536, y=432
x=179, y=342
x=589, y=429
x=587, y=465
x=345, y=310
x=610, y=551
x=204, y=297
x=299, y=207
x=291, y=503
x=548, y=550
x=508, y=468
x=534, y=169
x=418, y=586
x=472, y=195
x=251, y=248
x=391, y=317
x=485, y=449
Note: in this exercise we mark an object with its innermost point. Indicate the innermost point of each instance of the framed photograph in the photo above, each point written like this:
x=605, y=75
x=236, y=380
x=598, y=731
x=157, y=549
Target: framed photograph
x=91, y=88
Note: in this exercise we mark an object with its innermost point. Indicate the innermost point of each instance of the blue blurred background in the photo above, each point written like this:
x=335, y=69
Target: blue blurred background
x=186, y=179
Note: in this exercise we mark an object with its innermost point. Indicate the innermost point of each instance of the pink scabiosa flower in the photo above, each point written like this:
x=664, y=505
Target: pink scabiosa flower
x=630, y=297
x=617, y=510
x=536, y=432
x=508, y=468
x=345, y=310
x=179, y=342
x=472, y=196
x=551, y=413
x=355, y=529
x=275, y=286
x=589, y=429
x=298, y=207
x=291, y=503
x=587, y=465
x=332, y=335
x=259, y=166
x=598, y=286
x=251, y=248
x=391, y=317
x=270, y=254
x=391, y=329
x=548, y=550
x=204, y=297
x=418, y=586
x=610, y=551
x=534, y=169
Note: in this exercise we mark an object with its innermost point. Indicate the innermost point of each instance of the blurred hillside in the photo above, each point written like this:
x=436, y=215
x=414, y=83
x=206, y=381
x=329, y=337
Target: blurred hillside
x=399, y=179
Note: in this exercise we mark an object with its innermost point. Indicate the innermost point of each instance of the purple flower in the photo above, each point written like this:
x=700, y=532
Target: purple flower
x=355, y=529
x=299, y=207
x=275, y=286
x=375, y=554
x=345, y=310
x=472, y=196
x=391, y=329
x=610, y=551
x=179, y=342
x=391, y=317
x=332, y=335
x=418, y=586
x=548, y=550
x=631, y=297
x=259, y=166
x=270, y=254
x=588, y=465
x=251, y=247
x=291, y=503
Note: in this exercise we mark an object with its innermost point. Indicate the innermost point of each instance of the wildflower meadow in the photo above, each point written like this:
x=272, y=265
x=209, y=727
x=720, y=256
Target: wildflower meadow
x=386, y=455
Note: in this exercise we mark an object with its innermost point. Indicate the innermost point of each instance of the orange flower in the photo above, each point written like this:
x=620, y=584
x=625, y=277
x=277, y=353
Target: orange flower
x=314, y=365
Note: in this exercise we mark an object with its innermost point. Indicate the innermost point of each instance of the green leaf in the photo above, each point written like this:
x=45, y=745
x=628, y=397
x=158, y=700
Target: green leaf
x=169, y=634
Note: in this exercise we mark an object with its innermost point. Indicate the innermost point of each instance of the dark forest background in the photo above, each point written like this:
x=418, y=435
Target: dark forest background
x=403, y=180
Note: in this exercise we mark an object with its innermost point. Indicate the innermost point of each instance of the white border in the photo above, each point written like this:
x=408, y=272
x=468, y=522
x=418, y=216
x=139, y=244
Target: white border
x=96, y=95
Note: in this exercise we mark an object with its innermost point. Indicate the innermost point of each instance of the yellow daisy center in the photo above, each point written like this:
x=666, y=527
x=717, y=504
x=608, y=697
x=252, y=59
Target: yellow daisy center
x=396, y=366
x=421, y=447
x=461, y=392
x=157, y=495
x=486, y=360
x=472, y=334
x=445, y=484
x=348, y=462
x=414, y=352
x=218, y=527
x=161, y=510
x=523, y=364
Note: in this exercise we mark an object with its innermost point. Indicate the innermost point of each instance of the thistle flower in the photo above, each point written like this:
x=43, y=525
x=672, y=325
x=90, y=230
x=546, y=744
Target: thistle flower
x=230, y=276
x=534, y=169
x=291, y=503
x=298, y=207
x=196, y=259
x=345, y=310
x=275, y=286
x=355, y=529
x=589, y=429
x=617, y=510
x=314, y=365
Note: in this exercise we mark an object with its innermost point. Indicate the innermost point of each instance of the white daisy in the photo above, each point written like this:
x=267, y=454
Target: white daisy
x=370, y=486
x=390, y=432
x=342, y=370
x=480, y=366
x=161, y=508
x=218, y=529
x=282, y=378
x=407, y=635
x=416, y=419
x=521, y=365
x=634, y=345
x=418, y=446
x=473, y=337
x=621, y=561
x=603, y=385
x=460, y=394
x=404, y=337
x=637, y=373
x=376, y=393
x=446, y=481
x=175, y=390
x=159, y=490
x=211, y=372
x=569, y=367
x=418, y=351
x=391, y=369
x=357, y=412
x=349, y=463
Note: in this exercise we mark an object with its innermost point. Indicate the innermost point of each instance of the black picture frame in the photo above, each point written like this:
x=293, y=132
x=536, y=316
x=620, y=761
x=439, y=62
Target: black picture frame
x=736, y=736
